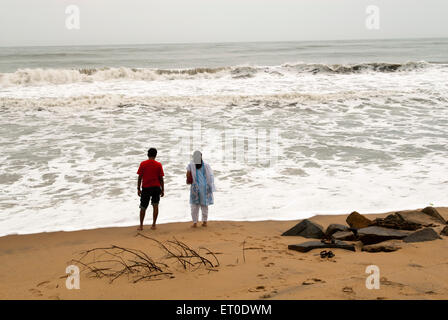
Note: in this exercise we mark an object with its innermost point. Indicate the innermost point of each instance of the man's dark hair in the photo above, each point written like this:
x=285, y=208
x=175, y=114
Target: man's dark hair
x=152, y=152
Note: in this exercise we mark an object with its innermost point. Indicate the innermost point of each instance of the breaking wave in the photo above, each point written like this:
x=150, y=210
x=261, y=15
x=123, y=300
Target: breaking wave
x=359, y=67
x=40, y=76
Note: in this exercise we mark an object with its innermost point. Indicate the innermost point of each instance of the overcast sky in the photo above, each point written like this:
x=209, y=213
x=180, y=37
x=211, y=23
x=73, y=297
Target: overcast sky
x=43, y=22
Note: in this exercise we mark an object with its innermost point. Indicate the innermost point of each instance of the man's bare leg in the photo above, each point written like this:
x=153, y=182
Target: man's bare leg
x=142, y=217
x=155, y=214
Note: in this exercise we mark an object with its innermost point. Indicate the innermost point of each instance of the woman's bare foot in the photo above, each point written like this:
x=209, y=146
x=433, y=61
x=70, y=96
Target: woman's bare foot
x=204, y=224
x=153, y=227
x=140, y=228
x=194, y=225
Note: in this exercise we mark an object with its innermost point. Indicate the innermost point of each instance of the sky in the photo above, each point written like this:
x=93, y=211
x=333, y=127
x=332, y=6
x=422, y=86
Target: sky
x=43, y=22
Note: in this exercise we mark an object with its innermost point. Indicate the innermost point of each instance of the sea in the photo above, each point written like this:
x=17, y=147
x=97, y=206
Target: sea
x=290, y=129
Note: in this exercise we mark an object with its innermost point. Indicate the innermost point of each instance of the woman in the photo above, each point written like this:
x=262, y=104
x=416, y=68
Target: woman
x=200, y=176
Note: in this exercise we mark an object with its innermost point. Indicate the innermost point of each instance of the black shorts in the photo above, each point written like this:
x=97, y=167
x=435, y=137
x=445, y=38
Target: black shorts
x=152, y=193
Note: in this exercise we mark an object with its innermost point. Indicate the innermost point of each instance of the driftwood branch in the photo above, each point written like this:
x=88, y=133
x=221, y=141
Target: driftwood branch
x=120, y=261
x=115, y=261
x=185, y=255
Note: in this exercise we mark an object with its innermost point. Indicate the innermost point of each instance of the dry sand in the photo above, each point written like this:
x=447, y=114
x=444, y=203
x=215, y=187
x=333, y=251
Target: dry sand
x=33, y=266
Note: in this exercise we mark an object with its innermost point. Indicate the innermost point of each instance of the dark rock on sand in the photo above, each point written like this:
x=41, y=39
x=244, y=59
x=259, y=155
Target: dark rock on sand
x=310, y=245
x=306, y=229
x=335, y=227
x=419, y=217
x=358, y=221
x=444, y=232
x=430, y=211
x=354, y=230
x=386, y=246
x=395, y=221
x=344, y=235
x=371, y=235
x=427, y=234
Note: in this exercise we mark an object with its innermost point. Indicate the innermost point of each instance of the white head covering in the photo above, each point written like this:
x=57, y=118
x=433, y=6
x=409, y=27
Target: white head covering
x=197, y=157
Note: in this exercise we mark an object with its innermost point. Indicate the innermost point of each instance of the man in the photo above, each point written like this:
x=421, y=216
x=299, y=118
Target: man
x=150, y=178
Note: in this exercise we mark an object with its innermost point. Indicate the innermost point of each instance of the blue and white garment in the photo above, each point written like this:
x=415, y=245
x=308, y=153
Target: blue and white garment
x=203, y=186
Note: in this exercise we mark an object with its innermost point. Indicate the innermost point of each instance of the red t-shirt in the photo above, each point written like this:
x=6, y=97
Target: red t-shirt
x=151, y=171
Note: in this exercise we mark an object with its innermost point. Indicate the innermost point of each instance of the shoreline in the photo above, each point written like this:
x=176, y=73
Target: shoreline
x=254, y=263
x=187, y=220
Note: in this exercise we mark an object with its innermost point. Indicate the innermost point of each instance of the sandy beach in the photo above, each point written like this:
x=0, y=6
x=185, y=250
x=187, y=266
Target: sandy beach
x=254, y=263
x=295, y=127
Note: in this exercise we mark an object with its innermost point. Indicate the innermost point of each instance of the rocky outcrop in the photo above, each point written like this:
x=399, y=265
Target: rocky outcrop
x=444, y=231
x=335, y=227
x=386, y=246
x=430, y=211
x=358, y=221
x=395, y=221
x=306, y=229
x=418, y=217
x=427, y=234
x=380, y=235
x=310, y=245
x=344, y=235
x=371, y=235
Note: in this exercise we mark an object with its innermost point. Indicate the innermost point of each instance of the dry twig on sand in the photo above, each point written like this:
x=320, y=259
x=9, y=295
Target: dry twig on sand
x=115, y=261
x=185, y=255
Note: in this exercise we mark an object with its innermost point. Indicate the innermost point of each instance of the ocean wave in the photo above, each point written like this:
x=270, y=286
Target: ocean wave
x=359, y=67
x=121, y=101
x=39, y=76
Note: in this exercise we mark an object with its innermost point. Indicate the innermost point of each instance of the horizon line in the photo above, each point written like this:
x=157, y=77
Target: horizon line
x=219, y=42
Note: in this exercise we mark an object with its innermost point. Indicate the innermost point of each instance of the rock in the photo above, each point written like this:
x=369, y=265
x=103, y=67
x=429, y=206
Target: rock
x=415, y=216
x=386, y=246
x=358, y=221
x=344, y=235
x=444, y=232
x=306, y=229
x=395, y=221
x=348, y=290
x=430, y=211
x=371, y=235
x=308, y=282
x=310, y=245
x=427, y=234
x=334, y=227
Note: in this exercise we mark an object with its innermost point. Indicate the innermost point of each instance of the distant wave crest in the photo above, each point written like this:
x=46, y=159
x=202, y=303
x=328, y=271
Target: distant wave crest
x=65, y=76
x=359, y=67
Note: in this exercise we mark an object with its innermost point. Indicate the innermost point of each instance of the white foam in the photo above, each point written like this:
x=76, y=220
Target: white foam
x=369, y=141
